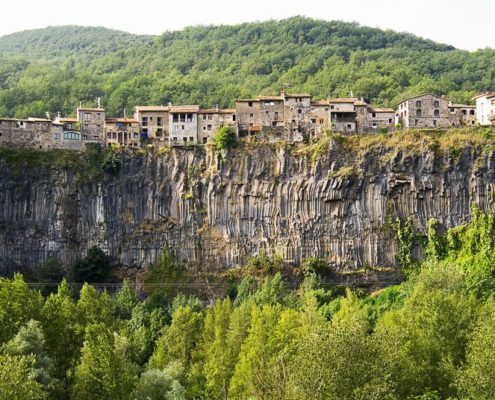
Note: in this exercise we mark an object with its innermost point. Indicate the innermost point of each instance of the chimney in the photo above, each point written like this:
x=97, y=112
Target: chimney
x=170, y=104
x=59, y=115
x=260, y=93
x=362, y=99
x=217, y=107
x=443, y=96
x=124, y=113
x=283, y=93
x=47, y=115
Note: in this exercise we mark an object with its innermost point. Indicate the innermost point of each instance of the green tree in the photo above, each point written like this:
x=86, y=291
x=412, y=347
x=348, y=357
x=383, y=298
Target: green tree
x=15, y=380
x=18, y=304
x=225, y=138
x=156, y=384
x=92, y=268
x=101, y=374
x=62, y=333
x=124, y=301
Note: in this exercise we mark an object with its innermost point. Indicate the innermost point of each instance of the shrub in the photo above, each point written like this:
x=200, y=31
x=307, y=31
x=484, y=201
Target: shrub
x=225, y=138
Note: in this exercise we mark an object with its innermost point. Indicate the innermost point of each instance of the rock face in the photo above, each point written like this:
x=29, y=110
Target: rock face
x=220, y=210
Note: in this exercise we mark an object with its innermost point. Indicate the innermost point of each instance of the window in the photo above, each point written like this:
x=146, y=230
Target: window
x=145, y=131
x=71, y=135
x=251, y=124
x=332, y=107
x=233, y=117
x=69, y=126
x=184, y=140
x=250, y=103
x=85, y=137
x=313, y=121
x=145, y=121
x=109, y=135
x=418, y=104
x=159, y=131
x=205, y=140
x=321, y=121
x=151, y=119
x=175, y=117
x=349, y=126
x=436, y=104
x=415, y=122
x=452, y=110
x=86, y=126
x=374, y=125
x=326, y=108
x=210, y=117
x=463, y=112
x=204, y=116
x=136, y=136
x=183, y=127
x=434, y=122
x=1, y=134
x=204, y=128
x=313, y=132
x=97, y=115
x=96, y=138
x=175, y=139
x=86, y=117
x=276, y=115
x=436, y=113
x=159, y=121
x=471, y=112
x=38, y=125
x=114, y=135
x=191, y=139
x=418, y=113
x=251, y=115
x=209, y=127
x=299, y=111
x=267, y=103
x=390, y=120
x=373, y=115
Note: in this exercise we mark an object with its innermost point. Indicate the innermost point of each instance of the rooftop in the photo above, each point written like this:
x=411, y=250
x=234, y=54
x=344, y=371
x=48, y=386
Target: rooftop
x=218, y=111
x=184, y=109
x=68, y=119
x=152, y=108
x=90, y=109
x=383, y=110
x=121, y=120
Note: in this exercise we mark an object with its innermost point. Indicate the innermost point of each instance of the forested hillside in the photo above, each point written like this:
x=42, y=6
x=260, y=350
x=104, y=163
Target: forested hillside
x=430, y=338
x=56, y=68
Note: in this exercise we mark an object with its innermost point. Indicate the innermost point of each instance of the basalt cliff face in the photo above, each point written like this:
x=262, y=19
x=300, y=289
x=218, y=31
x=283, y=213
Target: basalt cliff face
x=219, y=209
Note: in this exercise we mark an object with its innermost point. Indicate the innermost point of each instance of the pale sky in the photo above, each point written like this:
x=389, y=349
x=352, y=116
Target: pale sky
x=464, y=24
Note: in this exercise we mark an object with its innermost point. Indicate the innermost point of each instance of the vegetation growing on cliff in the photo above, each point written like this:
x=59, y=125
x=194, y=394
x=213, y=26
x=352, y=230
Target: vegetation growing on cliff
x=431, y=337
x=55, y=68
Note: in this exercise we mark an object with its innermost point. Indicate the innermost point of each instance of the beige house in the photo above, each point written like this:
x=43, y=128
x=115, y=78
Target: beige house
x=183, y=125
x=423, y=111
x=124, y=132
x=254, y=114
x=30, y=133
x=153, y=121
x=211, y=120
x=485, y=108
x=462, y=114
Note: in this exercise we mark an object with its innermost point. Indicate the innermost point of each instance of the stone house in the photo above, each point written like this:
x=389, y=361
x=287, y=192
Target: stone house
x=423, y=111
x=123, y=132
x=379, y=118
x=485, y=108
x=211, y=120
x=92, y=124
x=154, y=121
x=70, y=136
x=30, y=133
x=183, y=125
x=462, y=114
x=254, y=114
x=347, y=115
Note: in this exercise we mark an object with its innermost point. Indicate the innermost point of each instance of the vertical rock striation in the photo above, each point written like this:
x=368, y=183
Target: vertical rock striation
x=256, y=198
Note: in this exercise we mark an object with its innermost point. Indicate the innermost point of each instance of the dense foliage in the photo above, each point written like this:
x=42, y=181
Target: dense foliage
x=431, y=337
x=56, y=68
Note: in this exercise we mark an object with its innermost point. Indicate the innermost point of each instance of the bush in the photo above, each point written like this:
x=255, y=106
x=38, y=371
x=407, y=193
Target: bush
x=92, y=268
x=225, y=138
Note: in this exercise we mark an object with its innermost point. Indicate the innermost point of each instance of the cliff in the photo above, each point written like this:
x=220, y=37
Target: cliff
x=329, y=200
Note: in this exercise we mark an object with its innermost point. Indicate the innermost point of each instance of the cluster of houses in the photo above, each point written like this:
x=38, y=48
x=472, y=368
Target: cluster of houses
x=288, y=117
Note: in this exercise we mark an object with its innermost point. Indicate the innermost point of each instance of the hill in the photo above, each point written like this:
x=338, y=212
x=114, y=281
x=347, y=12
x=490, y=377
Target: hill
x=210, y=65
x=68, y=41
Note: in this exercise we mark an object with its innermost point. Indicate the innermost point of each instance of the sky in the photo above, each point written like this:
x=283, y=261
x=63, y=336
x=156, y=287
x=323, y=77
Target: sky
x=464, y=24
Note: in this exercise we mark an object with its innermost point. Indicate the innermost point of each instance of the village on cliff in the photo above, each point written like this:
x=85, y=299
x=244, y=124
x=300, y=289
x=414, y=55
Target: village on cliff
x=288, y=117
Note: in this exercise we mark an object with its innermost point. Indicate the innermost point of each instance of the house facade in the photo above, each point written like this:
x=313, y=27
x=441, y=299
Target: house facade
x=423, y=111
x=485, y=108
